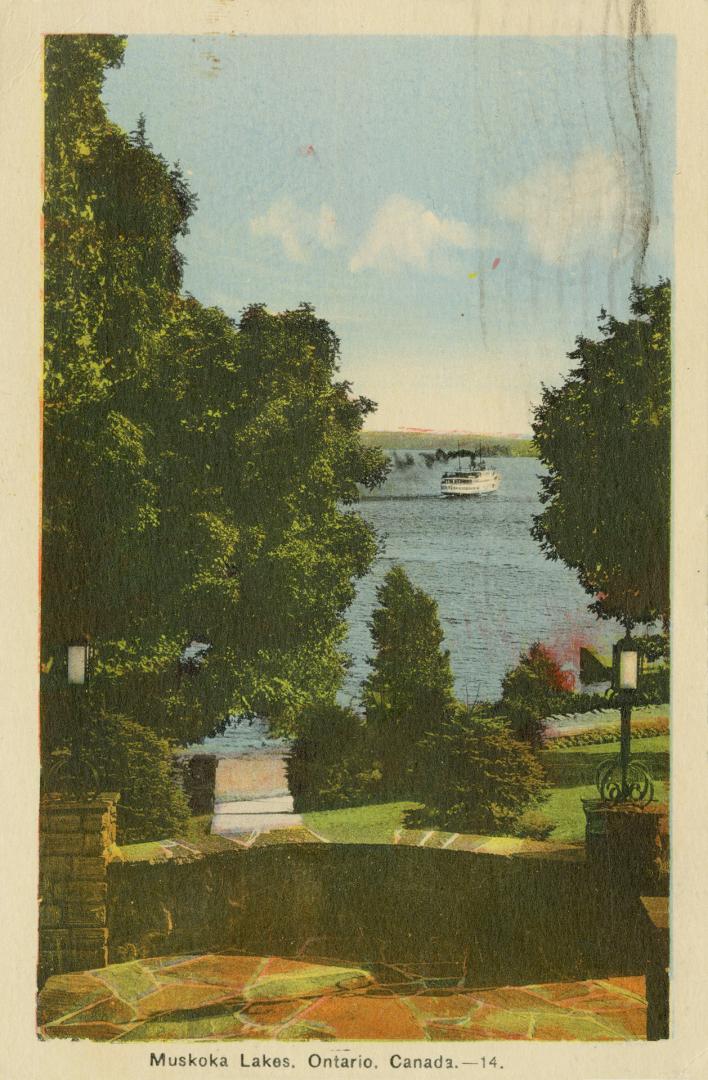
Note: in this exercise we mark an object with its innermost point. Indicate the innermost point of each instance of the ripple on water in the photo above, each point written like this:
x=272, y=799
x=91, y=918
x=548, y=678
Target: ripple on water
x=496, y=592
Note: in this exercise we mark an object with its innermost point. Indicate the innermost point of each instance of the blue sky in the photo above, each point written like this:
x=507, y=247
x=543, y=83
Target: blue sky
x=373, y=176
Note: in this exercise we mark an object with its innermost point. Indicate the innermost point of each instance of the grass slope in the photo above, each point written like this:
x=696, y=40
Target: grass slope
x=565, y=809
x=359, y=824
x=378, y=824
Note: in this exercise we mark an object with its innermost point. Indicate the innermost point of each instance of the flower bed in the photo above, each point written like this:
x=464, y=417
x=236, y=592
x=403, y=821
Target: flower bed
x=641, y=729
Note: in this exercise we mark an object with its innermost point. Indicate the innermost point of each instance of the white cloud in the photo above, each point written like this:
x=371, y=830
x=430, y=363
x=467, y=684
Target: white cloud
x=406, y=233
x=297, y=229
x=567, y=212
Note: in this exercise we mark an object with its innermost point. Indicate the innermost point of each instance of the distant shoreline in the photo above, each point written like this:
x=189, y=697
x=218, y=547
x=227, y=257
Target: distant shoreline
x=492, y=445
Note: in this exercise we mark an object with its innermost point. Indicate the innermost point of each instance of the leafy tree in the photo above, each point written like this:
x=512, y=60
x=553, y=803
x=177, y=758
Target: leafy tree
x=533, y=690
x=410, y=688
x=198, y=473
x=113, y=211
x=605, y=437
x=333, y=761
x=109, y=752
x=483, y=778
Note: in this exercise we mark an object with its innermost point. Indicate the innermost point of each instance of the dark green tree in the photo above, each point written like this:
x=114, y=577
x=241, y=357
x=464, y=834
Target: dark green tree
x=409, y=691
x=483, y=779
x=334, y=761
x=109, y=752
x=198, y=473
x=605, y=437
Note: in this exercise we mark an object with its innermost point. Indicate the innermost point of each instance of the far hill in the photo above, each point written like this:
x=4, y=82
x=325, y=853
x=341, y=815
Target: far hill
x=492, y=445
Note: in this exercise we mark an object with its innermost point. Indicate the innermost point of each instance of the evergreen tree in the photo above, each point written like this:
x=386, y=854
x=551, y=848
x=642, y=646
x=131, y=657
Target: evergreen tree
x=533, y=690
x=333, y=761
x=409, y=691
x=481, y=780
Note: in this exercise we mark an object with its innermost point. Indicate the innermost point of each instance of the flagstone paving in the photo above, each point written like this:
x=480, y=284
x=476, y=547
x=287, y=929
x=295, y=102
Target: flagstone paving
x=247, y=816
x=235, y=830
x=224, y=997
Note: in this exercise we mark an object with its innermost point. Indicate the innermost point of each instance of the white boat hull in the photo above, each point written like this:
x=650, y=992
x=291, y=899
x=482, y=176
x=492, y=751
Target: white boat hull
x=463, y=485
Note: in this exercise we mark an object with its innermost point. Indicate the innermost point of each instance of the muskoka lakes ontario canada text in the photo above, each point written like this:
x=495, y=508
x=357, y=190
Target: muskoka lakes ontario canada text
x=314, y=1061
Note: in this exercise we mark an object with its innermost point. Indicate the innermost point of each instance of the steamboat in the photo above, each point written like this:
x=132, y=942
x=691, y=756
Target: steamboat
x=478, y=479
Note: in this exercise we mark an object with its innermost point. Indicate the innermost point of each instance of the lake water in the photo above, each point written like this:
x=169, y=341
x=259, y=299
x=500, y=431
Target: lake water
x=495, y=591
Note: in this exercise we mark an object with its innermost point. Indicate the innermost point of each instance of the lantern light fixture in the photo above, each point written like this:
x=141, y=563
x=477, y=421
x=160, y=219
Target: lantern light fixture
x=77, y=662
x=626, y=664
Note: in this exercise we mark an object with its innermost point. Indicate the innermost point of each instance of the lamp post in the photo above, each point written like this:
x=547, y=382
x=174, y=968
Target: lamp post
x=622, y=780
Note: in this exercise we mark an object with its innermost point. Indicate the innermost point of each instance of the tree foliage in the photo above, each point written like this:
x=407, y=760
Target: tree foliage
x=484, y=779
x=605, y=437
x=198, y=472
x=470, y=770
x=334, y=761
x=409, y=690
x=533, y=690
x=109, y=752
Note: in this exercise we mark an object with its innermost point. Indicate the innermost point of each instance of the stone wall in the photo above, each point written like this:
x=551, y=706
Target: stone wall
x=505, y=921
x=77, y=838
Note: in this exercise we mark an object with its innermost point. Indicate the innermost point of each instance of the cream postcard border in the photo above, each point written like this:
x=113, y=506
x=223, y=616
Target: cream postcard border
x=22, y=24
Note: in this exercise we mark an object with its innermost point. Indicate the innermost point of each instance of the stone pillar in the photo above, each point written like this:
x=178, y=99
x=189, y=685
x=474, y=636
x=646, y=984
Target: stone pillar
x=656, y=915
x=199, y=780
x=628, y=845
x=77, y=838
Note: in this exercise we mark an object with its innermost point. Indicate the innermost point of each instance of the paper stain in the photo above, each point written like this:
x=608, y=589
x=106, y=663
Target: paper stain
x=495, y=264
x=214, y=64
x=641, y=106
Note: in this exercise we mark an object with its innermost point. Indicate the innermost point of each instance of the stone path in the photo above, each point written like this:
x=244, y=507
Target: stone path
x=227, y=997
x=246, y=831
x=248, y=816
x=252, y=796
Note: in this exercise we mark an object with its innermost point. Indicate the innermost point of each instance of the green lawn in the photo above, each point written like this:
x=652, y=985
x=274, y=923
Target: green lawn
x=359, y=824
x=576, y=765
x=377, y=824
x=564, y=806
x=566, y=810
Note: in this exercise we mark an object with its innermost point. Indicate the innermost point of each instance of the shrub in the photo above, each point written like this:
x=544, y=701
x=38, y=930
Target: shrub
x=642, y=729
x=656, y=685
x=332, y=763
x=112, y=753
x=479, y=777
x=535, y=825
x=535, y=689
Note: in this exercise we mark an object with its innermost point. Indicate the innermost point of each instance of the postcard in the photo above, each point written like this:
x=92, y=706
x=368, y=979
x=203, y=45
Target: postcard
x=357, y=443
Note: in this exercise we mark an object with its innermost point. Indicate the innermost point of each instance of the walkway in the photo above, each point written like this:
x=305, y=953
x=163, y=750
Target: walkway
x=244, y=830
x=252, y=796
x=227, y=997
x=253, y=816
